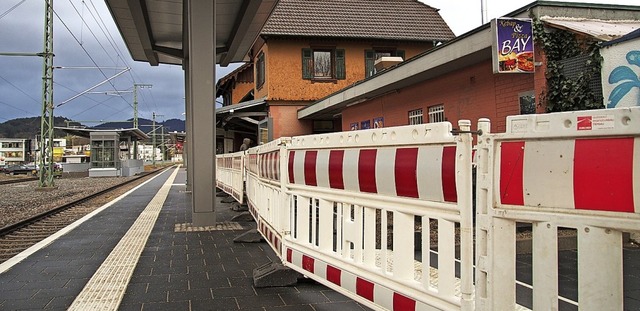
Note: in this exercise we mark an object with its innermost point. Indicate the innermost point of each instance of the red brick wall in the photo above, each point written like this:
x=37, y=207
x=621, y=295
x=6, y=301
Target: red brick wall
x=286, y=123
x=471, y=93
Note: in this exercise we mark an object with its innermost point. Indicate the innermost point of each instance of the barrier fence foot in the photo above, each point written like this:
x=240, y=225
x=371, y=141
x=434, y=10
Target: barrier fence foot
x=228, y=199
x=243, y=217
x=251, y=236
x=237, y=207
x=274, y=275
x=221, y=194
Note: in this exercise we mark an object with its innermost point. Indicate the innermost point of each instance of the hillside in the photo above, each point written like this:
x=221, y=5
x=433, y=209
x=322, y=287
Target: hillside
x=30, y=127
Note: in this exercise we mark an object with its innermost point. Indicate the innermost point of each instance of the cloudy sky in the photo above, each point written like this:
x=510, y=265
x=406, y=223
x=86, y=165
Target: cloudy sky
x=85, y=36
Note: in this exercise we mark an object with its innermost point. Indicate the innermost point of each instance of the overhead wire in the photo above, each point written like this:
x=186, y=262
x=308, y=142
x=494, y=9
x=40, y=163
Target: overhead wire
x=88, y=54
x=11, y=9
x=19, y=89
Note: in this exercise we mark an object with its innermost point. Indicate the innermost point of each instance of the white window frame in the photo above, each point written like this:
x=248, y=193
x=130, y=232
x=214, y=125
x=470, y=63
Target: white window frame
x=436, y=113
x=415, y=116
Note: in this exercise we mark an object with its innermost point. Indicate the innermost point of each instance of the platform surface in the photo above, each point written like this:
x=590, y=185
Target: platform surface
x=179, y=267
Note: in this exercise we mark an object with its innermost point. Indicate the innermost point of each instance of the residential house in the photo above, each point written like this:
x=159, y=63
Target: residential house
x=460, y=79
x=310, y=49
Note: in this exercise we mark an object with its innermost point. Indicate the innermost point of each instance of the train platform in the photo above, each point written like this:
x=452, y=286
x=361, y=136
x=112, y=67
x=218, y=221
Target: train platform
x=139, y=252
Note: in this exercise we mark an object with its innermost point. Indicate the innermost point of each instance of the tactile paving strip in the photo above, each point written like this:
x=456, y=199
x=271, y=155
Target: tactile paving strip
x=105, y=289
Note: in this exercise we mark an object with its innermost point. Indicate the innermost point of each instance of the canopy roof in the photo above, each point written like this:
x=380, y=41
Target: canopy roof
x=153, y=30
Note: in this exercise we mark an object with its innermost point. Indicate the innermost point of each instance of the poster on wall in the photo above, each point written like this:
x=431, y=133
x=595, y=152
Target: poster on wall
x=378, y=122
x=513, y=45
x=365, y=125
x=354, y=126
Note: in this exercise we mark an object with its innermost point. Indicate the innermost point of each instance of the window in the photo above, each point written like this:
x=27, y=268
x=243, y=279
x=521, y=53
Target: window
x=370, y=57
x=436, y=114
x=415, y=117
x=103, y=153
x=260, y=74
x=527, y=103
x=12, y=145
x=323, y=64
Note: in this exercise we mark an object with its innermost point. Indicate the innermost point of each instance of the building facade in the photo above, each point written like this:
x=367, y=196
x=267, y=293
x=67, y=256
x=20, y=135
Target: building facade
x=310, y=49
x=457, y=80
x=15, y=151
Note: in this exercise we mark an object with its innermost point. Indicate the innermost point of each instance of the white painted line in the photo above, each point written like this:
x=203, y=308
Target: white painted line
x=36, y=247
x=105, y=289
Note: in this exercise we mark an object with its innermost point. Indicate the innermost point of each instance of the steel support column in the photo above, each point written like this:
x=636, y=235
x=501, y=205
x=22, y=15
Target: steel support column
x=201, y=112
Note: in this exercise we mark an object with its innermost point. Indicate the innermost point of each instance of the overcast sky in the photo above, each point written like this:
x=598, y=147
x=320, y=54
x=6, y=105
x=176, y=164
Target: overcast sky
x=85, y=36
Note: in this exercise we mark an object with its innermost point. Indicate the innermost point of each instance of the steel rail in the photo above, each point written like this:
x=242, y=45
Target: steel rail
x=34, y=219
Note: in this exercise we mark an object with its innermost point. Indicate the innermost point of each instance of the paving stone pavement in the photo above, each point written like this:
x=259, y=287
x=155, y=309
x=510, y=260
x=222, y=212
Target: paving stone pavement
x=181, y=267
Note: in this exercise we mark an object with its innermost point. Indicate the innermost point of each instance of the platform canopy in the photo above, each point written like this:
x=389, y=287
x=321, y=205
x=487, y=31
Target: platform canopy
x=133, y=133
x=153, y=29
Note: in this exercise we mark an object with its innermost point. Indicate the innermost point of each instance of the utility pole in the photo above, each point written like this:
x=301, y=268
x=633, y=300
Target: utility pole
x=46, y=120
x=153, y=138
x=135, y=112
x=153, y=151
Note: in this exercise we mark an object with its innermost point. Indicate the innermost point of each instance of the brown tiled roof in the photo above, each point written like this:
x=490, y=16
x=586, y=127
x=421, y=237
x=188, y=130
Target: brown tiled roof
x=371, y=19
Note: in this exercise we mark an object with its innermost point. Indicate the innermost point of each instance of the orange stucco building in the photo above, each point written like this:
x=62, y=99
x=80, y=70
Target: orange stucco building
x=324, y=47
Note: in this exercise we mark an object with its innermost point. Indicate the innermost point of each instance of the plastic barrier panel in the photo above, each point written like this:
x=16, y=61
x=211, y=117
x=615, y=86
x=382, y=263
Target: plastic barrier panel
x=575, y=172
x=230, y=174
x=265, y=192
x=384, y=215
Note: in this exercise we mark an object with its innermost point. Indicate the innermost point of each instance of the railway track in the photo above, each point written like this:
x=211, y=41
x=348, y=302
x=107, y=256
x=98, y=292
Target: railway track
x=16, y=237
x=18, y=180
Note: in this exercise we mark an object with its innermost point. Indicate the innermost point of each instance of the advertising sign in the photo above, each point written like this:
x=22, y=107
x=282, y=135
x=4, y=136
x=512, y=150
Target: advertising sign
x=513, y=45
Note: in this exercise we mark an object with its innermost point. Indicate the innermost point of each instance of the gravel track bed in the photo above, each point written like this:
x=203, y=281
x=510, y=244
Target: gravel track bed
x=21, y=201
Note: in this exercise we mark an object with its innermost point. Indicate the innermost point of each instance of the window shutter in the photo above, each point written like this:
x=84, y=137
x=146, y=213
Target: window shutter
x=341, y=71
x=369, y=60
x=400, y=53
x=307, y=64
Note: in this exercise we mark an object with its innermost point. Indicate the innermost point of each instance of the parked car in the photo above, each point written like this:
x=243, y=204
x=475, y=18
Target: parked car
x=19, y=169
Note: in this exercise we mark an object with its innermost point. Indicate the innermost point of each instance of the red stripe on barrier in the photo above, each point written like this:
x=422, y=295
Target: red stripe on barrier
x=406, y=172
x=308, y=263
x=336, y=162
x=403, y=303
x=291, y=157
x=289, y=255
x=511, y=168
x=310, y=158
x=367, y=170
x=364, y=288
x=277, y=164
x=449, y=174
x=333, y=275
x=603, y=174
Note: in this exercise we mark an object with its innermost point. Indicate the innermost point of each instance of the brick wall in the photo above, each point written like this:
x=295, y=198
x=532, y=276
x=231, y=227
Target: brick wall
x=285, y=121
x=470, y=93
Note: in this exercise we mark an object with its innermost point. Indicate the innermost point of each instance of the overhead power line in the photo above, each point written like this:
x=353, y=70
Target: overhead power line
x=11, y=9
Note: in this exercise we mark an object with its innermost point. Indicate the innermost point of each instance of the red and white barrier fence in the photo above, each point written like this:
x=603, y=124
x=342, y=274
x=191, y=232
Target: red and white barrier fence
x=230, y=172
x=266, y=193
x=385, y=216
x=357, y=201
x=578, y=170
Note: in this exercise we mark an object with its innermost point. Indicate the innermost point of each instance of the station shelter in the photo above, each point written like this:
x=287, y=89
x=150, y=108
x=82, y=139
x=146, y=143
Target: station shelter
x=111, y=151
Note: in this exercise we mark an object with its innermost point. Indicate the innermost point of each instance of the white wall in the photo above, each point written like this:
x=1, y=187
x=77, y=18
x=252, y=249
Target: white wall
x=617, y=56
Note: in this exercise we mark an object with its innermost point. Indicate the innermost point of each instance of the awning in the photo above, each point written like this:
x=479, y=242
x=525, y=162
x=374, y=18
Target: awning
x=245, y=115
x=603, y=30
x=153, y=29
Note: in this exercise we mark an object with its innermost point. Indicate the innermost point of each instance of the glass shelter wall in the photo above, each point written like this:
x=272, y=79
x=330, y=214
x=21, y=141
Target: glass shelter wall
x=105, y=150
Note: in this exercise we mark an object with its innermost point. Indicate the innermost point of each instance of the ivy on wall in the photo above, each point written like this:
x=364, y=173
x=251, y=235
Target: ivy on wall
x=568, y=93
